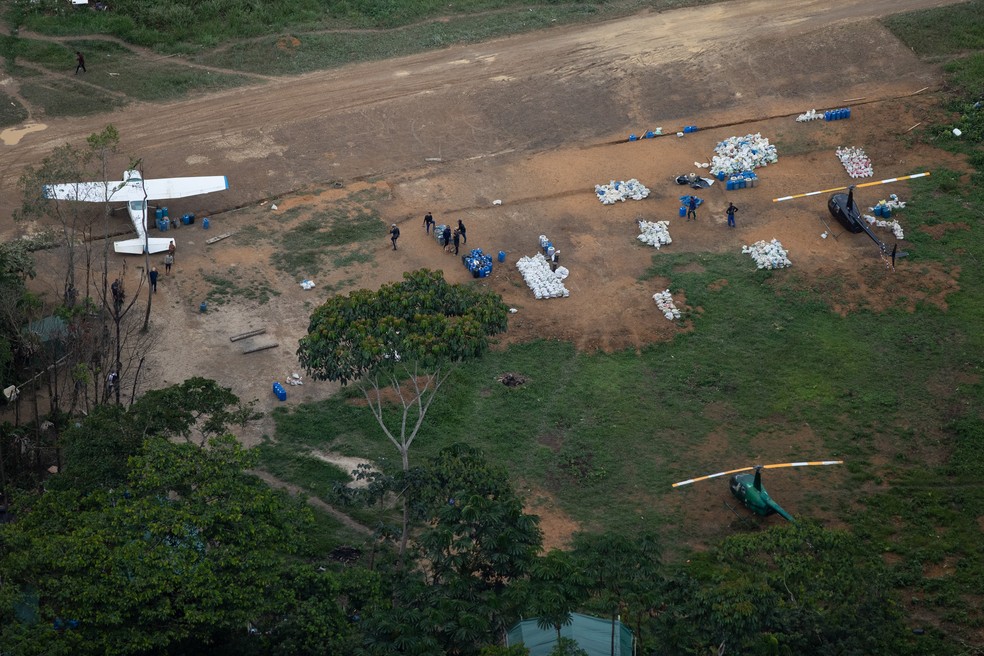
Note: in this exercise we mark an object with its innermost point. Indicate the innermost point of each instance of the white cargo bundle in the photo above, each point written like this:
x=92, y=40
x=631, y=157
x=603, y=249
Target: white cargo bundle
x=892, y=225
x=664, y=301
x=540, y=279
x=738, y=154
x=768, y=254
x=855, y=162
x=654, y=233
x=620, y=191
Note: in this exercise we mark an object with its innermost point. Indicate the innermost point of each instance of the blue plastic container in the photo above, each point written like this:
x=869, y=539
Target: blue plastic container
x=203, y=307
x=205, y=223
x=163, y=224
x=683, y=211
x=729, y=185
x=720, y=176
x=279, y=390
x=632, y=137
x=502, y=256
x=164, y=210
x=158, y=214
x=847, y=112
x=886, y=211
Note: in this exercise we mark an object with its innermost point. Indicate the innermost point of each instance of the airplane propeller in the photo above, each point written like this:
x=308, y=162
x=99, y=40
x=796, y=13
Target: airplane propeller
x=775, y=466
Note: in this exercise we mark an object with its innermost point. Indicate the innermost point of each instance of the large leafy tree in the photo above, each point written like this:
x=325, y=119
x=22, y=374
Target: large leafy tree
x=406, y=337
x=792, y=590
x=188, y=549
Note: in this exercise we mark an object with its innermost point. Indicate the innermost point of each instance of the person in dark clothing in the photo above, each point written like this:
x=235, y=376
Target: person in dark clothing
x=394, y=235
x=152, y=276
x=118, y=294
x=461, y=229
x=457, y=240
x=80, y=62
x=446, y=236
x=428, y=222
x=692, y=208
x=731, y=214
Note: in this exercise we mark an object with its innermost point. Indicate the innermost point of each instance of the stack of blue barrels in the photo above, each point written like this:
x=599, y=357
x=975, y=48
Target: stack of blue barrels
x=837, y=114
x=882, y=210
x=279, y=390
x=742, y=180
x=478, y=263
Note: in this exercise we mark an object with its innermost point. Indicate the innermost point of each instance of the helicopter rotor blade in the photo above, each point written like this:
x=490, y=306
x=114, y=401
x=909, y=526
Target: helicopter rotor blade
x=775, y=466
x=858, y=186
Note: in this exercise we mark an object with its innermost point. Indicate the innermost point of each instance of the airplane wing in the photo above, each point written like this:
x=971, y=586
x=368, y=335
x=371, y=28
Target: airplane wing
x=125, y=191
x=94, y=192
x=162, y=188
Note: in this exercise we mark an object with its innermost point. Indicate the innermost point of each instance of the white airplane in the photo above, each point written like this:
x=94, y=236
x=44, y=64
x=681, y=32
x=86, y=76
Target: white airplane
x=135, y=192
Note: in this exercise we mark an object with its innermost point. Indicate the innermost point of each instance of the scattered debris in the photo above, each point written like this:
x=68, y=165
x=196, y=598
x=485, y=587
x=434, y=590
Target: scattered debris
x=497, y=202
x=811, y=115
x=511, y=379
x=294, y=379
x=273, y=207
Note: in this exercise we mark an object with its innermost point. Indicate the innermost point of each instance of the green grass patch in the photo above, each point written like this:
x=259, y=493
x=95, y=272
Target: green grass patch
x=326, y=236
x=232, y=286
x=944, y=31
x=58, y=97
x=12, y=112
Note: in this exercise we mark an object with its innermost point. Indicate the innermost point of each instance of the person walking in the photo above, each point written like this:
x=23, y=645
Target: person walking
x=171, y=248
x=394, y=235
x=457, y=240
x=446, y=237
x=692, y=209
x=731, y=214
x=428, y=222
x=79, y=62
x=168, y=261
x=461, y=229
x=152, y=276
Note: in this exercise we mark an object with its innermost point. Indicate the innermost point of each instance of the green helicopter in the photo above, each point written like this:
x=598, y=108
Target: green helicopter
x=748, y=488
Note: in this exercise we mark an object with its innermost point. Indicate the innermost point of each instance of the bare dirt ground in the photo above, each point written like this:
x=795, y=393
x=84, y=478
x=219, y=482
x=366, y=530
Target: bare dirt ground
x=534, y=121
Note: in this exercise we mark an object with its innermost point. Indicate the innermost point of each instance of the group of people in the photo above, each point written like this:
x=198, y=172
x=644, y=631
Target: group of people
x=449, y=238
x=693, y=202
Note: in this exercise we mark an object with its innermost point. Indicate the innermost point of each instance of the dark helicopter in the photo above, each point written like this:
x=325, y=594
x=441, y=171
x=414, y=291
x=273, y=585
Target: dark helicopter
x=748, y=488
x=843, y=208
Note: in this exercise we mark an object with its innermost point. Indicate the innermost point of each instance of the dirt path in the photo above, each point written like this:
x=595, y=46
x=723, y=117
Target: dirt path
x=273, y=481
x=512, y=94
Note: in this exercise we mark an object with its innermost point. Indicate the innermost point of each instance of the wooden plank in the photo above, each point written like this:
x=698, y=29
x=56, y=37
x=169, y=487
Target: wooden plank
x=261, y=347
x=251, y=333
x=212, y=240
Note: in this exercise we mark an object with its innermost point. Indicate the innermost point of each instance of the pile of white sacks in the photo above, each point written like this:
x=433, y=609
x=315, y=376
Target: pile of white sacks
x=621, y=191
x=737, y=154
x=654, y=233
x=892, y=225
x=855, y=162
x=768, y=254
x=539, y=278
x=811, y=115
x=664, y=301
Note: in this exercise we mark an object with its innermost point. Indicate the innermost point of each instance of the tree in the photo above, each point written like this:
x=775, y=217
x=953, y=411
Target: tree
x=412, y=332
x=188, y=548
x=797, y=589
x=556, y=588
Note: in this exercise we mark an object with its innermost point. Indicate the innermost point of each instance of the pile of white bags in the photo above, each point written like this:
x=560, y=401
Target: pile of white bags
x=768, y=254
x=621, y=191
x=893, y=203
x=307, y=284
x=654, y=233
x=737, y=154
x=855, y=162
x=811, y=115
x=892, y=225
x=539, y=278
x=664, y=301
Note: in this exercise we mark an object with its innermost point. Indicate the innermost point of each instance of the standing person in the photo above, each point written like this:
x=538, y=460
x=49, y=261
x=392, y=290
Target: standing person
x=446, y=237
x=731, y=214
x=394, y=235
x=152, y=276
x=428, y=222
x=168, y=261
x=692, y=208
x=457, y=240
x=79, y=62
x=118, y=294
x=461, y=229
x=171, y=248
